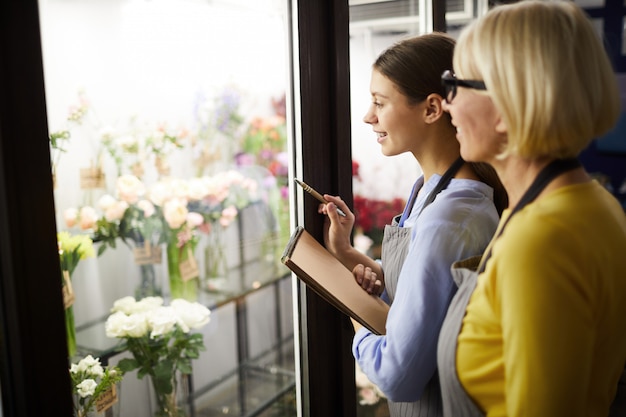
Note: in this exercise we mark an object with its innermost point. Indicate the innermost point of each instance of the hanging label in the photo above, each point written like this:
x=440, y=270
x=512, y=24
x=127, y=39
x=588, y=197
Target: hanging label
x=189, y=267
x=91, y=178
x=68, y=291
x=147, y=254
x=106, y=399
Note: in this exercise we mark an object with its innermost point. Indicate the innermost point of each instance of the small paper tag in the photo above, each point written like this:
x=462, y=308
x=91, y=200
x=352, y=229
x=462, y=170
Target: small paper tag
x=106, y=399
x=91, y=178
x=68, y=291
x=147, y=255
x=189, y=267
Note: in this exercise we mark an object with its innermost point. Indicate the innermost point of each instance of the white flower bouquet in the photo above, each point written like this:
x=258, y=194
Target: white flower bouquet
x=159, y=338
x=90, y=381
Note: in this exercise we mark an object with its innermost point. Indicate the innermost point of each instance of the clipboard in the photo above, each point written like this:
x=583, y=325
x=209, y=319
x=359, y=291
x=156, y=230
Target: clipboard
x=330, y=279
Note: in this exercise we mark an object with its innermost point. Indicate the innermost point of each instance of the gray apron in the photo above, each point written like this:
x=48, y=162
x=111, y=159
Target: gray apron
x=394, y=250
x=456, y=402
x=395, y=246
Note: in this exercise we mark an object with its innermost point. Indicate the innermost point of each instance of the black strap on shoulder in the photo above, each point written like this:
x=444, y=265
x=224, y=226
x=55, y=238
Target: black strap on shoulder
x=545, y=176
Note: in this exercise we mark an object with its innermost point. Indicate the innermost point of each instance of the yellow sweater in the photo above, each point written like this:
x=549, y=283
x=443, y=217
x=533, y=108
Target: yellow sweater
x=545, y=330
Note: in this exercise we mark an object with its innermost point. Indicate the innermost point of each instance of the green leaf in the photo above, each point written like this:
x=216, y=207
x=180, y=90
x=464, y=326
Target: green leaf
x=128, y=364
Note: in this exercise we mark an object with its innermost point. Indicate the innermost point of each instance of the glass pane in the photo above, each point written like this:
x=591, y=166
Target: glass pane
x=381, y=185
x=168, y=135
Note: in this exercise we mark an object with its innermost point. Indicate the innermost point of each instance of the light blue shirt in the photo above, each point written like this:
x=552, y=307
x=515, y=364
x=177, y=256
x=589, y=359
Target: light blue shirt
x=458, y=224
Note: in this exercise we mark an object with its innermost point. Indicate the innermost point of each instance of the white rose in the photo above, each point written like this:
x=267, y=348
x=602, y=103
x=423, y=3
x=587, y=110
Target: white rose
x=70, y=216
x=175, y=212
x=88, y=217
x=116, y=211
x=159, y=193
x=148, y=304
x=162, y=321
x=106, y=201
x=86, y=388
x=193, y=315
x=125, y=304
x=137, y=325
x=90, y=365
x=120, y=325
x=130, y=188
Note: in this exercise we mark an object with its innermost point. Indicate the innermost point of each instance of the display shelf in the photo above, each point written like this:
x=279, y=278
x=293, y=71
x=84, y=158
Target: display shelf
x=254, y=389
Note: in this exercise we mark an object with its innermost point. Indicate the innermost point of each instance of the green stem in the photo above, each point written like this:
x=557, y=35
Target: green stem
x=70, y=330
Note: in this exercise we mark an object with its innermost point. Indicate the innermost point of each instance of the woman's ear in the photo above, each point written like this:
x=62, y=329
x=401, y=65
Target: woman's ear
x=434, y=108
x=501, y=125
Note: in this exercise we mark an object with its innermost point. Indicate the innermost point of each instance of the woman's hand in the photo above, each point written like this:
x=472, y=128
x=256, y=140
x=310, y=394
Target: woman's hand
x=367, y=279
x=337, y=229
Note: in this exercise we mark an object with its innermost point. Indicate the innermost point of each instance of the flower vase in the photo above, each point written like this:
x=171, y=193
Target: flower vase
x=172, y=396
x=146, y=257
x=215, y=262
x=183, y=271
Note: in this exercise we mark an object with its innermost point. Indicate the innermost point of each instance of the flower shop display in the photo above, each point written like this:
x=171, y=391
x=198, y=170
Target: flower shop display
x=161, y=342
x=94, y=387
x=219, y=124
x=371, y=216
x=72, y=249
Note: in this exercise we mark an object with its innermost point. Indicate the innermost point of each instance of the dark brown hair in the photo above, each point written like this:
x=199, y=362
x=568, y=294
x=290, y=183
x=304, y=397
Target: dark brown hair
x=415, y=66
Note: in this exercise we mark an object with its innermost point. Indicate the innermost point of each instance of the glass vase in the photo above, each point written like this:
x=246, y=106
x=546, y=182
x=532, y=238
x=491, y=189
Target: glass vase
x=183, y=271
x=172, y=402
x=215, y=261
x=146, y=257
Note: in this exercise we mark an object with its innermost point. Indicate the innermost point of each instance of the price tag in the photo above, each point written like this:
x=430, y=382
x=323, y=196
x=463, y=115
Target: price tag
x=91, y=178
x=189, y=267
x=147, y=254
x=106, y=399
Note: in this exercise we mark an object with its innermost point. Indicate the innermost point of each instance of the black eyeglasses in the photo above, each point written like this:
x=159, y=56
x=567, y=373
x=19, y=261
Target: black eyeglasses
x=450, y=83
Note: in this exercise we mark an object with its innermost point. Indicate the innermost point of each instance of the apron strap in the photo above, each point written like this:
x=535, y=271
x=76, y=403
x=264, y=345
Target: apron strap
x=545, y=176
x=441, y=185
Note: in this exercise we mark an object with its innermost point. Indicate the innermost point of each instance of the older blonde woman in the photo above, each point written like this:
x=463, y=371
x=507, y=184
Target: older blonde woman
x=542, y=333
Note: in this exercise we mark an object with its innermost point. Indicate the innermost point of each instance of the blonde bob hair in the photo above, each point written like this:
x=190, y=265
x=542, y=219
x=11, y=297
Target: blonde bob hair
x=547, y=72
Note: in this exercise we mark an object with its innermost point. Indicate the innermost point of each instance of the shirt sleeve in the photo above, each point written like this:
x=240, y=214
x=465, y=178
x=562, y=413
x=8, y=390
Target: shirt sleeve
x=402, y=362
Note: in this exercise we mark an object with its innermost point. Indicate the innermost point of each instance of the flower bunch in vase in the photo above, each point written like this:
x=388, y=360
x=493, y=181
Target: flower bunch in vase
x=72, y=249
x=219, y=199
x=93, y=386
x=161, y=343
x=136, y=221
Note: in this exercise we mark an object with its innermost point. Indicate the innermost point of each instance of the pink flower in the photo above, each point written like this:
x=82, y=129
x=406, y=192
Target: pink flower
x=228, y=215
x=88, y=217
x=130, y=188
x=147, y=207
x=194, y=219
x=116, y=211
x=70, y=216
x=175, y=212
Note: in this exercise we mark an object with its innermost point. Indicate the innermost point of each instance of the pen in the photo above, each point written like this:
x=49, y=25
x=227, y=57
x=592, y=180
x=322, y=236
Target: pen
x=315, y=194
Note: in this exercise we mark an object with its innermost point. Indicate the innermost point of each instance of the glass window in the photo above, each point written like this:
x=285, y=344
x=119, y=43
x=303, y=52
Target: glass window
x=168, y=130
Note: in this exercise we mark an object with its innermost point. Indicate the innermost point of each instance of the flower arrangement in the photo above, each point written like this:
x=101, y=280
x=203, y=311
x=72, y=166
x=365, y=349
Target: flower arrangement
x=160, y=340
x=72, y=249
x=58, y=139
x=93, y=384
x=371, y=215
x=219, y=123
